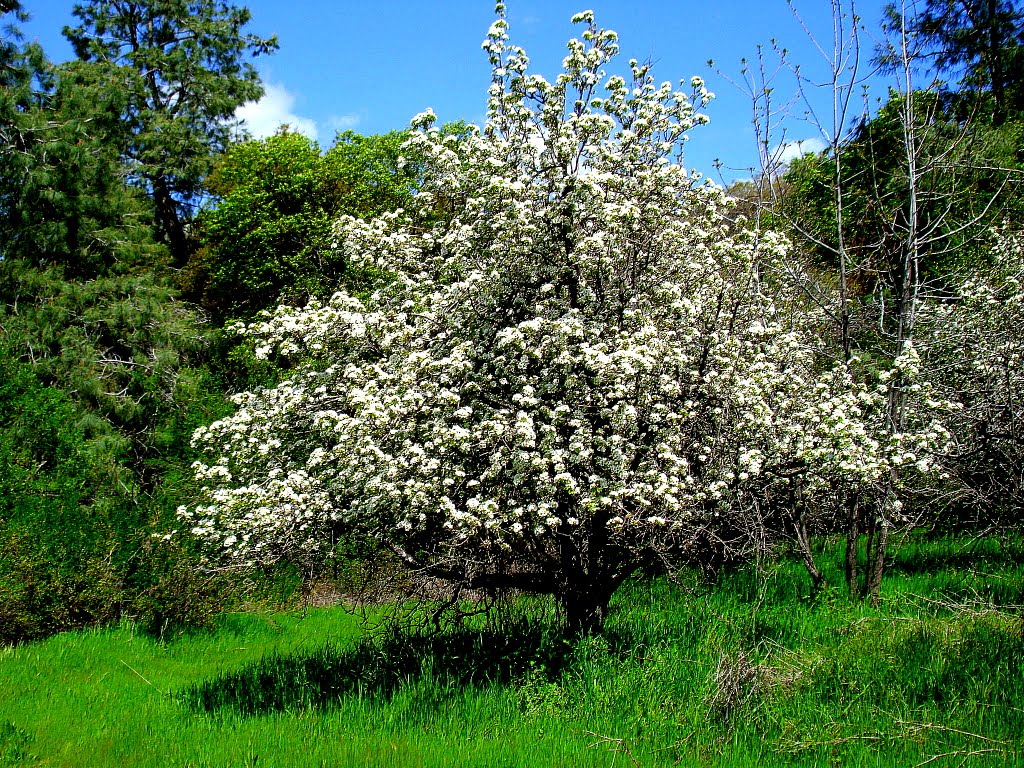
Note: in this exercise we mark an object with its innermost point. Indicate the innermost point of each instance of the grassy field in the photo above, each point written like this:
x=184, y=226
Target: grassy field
x=746, y=671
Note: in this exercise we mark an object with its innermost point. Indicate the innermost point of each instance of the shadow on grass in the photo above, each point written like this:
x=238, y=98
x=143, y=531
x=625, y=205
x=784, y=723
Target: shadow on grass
x=377, y=667
x=14, y=744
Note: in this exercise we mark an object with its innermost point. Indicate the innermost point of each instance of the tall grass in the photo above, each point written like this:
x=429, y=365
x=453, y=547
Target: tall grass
x=745, y=671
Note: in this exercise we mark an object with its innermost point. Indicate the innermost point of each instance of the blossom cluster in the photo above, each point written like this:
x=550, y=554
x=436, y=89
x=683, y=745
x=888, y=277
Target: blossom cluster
x=975, y=358
x=575, y=342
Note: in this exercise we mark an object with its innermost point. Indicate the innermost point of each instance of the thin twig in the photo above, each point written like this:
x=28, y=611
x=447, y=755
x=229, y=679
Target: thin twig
x=620, y=745
x=143, y=678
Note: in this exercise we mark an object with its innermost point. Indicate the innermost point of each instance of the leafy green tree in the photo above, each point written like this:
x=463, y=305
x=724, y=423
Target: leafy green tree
x=58, y=511
x=66, y=200
x=269, y=234
x=117, y=370
x=19, y=66
x=178, y=66
x=9, y=50
x=104, y=371
x=80, y=541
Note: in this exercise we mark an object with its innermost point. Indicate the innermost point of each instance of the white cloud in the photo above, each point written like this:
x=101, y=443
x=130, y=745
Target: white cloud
x=343, y=122
x=791, y=150
x=264, y=117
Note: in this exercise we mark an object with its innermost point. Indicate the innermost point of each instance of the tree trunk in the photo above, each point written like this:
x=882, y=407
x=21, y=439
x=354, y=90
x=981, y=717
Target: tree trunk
x=873, y=585
x=803, y=540
x=994, y=47
x=587, y=577
x=168, y=222
x=817, y=577
x=852, y=537
x=585, y=610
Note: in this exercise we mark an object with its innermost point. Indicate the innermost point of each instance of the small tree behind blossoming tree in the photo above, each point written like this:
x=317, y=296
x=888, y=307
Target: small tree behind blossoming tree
x=582, y=366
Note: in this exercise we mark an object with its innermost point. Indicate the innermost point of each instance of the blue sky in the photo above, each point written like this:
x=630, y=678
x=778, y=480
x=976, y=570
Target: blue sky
x=372, y=66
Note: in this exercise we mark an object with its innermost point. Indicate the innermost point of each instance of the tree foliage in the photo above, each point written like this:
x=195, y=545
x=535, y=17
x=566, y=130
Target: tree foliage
x=963, y=177
x=979, y=41
x=53, y=497
x=269, y=233
x=106, y=370
x=63, y=198
x=68, y=205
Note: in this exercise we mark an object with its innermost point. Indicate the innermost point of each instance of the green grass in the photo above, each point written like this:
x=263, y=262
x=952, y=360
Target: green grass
x=747, y=671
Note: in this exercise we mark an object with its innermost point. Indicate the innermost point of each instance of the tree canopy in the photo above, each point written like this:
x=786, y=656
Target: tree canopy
x=269, y=233
x=979, y=41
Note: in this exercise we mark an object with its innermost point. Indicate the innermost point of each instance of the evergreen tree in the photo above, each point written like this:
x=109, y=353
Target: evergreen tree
x=103, y=371
x=178, y=64
x=982, y=41
x=63, y=198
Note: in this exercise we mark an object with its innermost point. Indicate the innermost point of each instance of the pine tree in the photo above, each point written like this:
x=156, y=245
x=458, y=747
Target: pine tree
x=179, y=66
x=983, y=41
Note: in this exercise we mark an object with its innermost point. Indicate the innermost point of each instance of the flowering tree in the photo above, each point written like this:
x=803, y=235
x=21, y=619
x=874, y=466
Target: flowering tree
x=566, y=378
x=976, y=358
